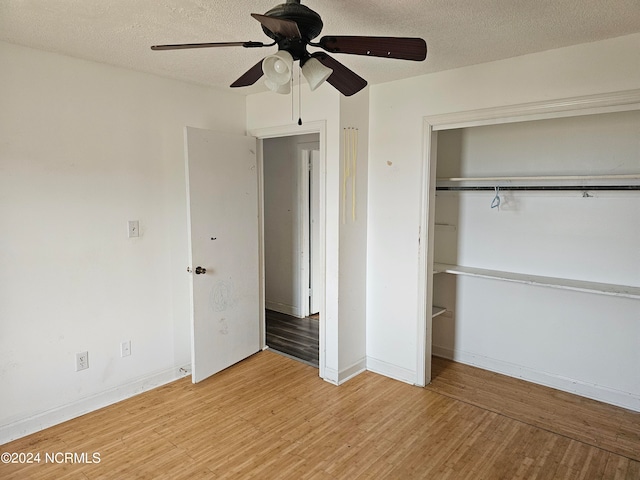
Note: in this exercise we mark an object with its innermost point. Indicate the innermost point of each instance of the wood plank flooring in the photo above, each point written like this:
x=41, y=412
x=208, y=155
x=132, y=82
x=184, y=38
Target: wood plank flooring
x=298, y=337
x=272, y=417
x=594, y=423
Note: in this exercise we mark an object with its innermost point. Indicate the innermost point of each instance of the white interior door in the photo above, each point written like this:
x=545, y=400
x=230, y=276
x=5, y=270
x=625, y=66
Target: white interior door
x=222, y=197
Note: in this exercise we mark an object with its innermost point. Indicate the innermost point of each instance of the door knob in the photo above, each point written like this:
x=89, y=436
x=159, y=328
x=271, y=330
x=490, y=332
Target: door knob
x=198, y=270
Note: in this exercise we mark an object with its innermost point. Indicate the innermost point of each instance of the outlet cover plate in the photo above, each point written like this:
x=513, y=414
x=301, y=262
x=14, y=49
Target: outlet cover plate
x=82, y=361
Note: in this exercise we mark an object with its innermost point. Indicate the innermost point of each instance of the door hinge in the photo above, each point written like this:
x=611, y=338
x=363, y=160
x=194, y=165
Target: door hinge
x=310, y=292
x=309, y=165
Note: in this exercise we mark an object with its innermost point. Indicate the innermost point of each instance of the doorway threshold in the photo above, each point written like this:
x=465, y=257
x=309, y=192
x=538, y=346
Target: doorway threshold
x=311, y=364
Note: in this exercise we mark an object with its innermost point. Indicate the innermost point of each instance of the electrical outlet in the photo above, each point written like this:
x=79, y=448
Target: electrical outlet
x=82, y=361
x=125, y=348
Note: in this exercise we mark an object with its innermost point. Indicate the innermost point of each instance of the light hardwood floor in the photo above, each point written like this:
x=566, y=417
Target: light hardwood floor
x=272, y=417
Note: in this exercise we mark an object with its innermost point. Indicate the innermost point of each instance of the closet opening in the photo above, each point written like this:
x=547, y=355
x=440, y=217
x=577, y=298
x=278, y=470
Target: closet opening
x=531, y=263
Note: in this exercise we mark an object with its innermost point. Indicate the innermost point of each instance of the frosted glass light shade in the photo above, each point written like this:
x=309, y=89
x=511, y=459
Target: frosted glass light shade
x=274, y=87
x=315, y=73
x=278, y=67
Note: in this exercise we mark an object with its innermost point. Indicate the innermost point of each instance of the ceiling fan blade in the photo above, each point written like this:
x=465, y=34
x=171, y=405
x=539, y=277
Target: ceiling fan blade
x=250, y=77
x=279, y=26
x=388, y=47
x=180, y=46
x=344, y=80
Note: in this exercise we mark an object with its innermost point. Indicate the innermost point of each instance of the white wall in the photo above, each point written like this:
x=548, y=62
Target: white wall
x=354, y=113
x=282, y=216
x=85, y=147
x=395, y=164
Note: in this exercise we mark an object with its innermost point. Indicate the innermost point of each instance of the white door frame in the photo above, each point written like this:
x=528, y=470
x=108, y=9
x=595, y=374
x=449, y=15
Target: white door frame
x=304, y=231
x=316, y=273
x=320, y=128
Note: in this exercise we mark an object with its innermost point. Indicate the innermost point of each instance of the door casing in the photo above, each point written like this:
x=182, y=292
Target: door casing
x=318, y=127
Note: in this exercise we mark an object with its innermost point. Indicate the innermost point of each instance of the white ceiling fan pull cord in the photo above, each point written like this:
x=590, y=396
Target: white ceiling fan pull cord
x=345, y=172
x=354, y=159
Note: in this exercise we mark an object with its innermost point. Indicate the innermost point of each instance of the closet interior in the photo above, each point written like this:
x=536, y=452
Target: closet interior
x=536, y=256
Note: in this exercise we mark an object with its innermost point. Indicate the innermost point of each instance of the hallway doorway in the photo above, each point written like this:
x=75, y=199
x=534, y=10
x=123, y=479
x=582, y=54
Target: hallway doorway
x=292, y=245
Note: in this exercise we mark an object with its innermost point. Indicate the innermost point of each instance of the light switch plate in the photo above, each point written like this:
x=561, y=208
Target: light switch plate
x=125, y=348
x=134, y=228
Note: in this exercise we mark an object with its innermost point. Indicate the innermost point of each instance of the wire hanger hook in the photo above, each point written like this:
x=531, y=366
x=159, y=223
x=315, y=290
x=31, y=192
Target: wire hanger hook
x=495, y=203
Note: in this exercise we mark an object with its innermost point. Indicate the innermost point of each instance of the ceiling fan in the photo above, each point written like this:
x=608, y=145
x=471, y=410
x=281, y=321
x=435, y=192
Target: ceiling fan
x=292, y=27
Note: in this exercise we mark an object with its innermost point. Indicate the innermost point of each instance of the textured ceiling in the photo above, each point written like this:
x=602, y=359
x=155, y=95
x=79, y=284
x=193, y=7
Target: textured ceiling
x=458, y=32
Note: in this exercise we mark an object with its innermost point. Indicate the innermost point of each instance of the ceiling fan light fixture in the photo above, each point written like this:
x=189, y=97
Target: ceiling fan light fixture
x=278, y=67
x=315, y=73
x=292, y=26
x=274, y=87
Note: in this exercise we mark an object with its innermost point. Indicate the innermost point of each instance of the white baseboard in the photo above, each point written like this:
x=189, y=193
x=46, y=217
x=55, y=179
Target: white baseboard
x=336, y=377
x=390, y=370
x=559, y=382
x=331, y=375
x=35, y=423
x=350, y=372
x=284, y=308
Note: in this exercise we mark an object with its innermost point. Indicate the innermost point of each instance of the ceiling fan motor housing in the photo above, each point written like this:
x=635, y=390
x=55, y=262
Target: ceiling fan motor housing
x=309, y=22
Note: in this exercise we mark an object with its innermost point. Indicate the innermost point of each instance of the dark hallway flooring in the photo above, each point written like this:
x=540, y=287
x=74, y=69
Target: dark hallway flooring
x=297, y=337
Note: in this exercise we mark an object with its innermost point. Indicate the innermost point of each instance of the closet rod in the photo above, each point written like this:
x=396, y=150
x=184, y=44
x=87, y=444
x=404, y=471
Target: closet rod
x=627, y=176
x=581, y=188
